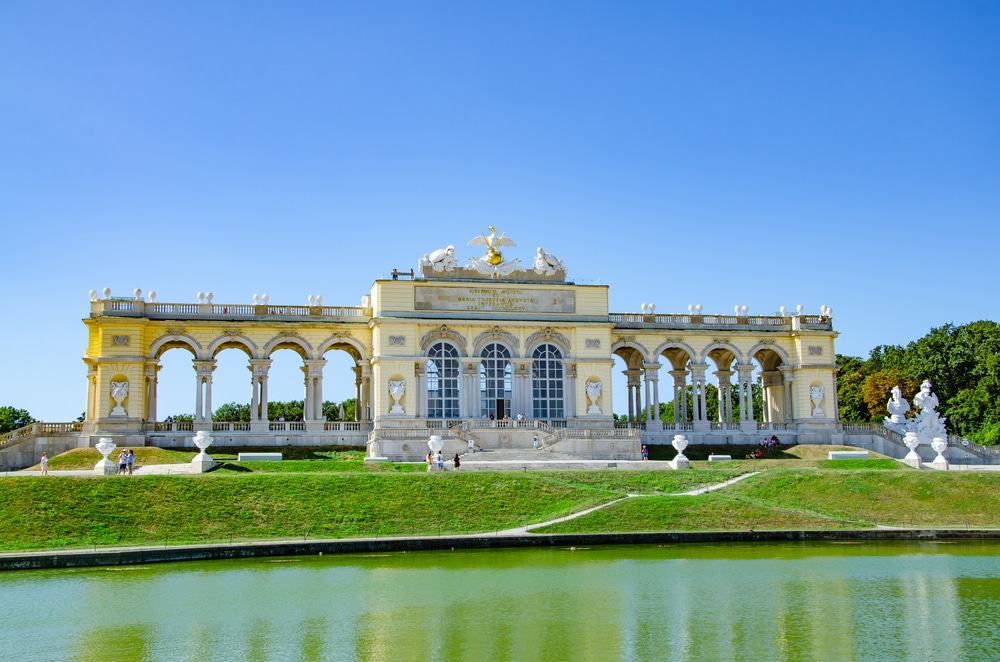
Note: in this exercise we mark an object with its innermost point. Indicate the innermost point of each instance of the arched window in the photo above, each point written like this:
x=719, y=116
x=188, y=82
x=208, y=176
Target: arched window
x=547, y=386
x=442, y=381
x=496, y=377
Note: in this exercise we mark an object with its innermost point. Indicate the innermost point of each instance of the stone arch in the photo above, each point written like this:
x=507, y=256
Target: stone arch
x=766, y=347
x=171, y=340
x=345, y=342
x=678, y=353
x=444, y=333
x=497, y=335
x=289, y=340
x=547, y=336
x=630, y=351
x=233, y=340
x=716, y=349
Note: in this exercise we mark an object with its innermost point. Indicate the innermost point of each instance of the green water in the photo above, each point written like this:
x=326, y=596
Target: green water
x=887, y=601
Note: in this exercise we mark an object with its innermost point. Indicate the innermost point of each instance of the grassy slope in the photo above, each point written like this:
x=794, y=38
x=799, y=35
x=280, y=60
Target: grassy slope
x=332, y=493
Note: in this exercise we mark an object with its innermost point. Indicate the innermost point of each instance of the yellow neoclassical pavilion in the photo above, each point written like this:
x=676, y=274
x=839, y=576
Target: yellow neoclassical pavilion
x=496, y=352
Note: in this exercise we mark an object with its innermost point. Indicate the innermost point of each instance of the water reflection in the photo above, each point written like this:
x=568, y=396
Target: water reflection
x=685, y=602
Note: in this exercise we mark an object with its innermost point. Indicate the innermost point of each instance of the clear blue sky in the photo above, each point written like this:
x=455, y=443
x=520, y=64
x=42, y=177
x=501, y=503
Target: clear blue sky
x=759, y=153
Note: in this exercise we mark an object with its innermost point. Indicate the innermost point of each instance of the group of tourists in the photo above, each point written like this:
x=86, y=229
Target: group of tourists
x=436, y=459
x=125, y=461
x=771, y=444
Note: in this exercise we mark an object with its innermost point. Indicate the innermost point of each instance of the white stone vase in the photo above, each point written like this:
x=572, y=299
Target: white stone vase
x=104, y=466
x=202, y=460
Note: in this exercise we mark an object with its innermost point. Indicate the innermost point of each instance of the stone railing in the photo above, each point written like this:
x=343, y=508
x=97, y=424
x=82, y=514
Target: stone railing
x=37, y=430
x=231, y=426
x=592, y=433
x=720, y=322
x=233, y=311
x=772, y=426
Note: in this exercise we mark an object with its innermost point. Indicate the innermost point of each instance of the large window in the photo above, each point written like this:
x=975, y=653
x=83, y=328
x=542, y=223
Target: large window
x=496, y=377
x=442, y=381
x=547, y=383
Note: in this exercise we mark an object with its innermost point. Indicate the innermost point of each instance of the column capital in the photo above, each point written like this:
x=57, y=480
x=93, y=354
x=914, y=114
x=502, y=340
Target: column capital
x=259, y=367
x=204, y=366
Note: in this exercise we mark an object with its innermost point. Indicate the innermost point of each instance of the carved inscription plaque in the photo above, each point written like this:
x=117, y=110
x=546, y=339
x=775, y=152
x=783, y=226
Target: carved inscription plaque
x=504, y=299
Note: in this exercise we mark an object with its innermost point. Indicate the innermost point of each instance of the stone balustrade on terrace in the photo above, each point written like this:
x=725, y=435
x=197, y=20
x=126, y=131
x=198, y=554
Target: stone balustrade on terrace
x=223, y=311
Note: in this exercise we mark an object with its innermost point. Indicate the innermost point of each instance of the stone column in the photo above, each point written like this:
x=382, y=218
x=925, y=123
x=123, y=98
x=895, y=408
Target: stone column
x=469, y=389
x=652, y=375
x=680, y=395
x=258, y=400
x=420, y=397
x=92, y=412
x=358, y=414
x=701, y=399
x=523, y=400
x=203, y=407
x=747, y=422
x=152, y=367
x=634, y=376
x=570, y=392
x=725, y=395
x=312, y=407
x=786, y=378
x=366, y=390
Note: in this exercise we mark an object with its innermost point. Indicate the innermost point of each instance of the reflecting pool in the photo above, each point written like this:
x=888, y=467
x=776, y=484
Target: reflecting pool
x=787, y=601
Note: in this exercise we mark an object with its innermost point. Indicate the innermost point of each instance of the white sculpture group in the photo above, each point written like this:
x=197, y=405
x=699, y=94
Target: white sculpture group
x=927, y=427
x=492, y=262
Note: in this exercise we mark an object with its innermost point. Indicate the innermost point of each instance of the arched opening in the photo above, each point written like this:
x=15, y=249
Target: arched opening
x=496, y=382
x=547, y=383
x=443, y=375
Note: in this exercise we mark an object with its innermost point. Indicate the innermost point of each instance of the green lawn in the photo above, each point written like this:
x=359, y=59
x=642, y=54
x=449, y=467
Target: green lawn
x=303, y=500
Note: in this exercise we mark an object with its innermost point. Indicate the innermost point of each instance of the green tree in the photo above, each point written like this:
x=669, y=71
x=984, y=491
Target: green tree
x=850, y=396
x=331, y=410
x=232, y=412
x=12, y=419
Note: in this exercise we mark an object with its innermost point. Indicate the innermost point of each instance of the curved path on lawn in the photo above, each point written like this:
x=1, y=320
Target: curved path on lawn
x=521, y=530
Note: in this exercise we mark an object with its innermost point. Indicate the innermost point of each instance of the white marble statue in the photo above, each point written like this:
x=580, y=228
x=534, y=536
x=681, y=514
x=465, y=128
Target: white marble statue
x=816, y=394
x=897, y=406
x=547, y=264
x=396, y=389
x=594, y=392
x=443, y=259
x=929, y=423
x=492, y=262
x=119, y=391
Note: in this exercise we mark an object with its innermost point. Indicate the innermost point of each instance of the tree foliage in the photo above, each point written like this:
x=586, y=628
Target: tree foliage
x=12, y=418
x=962, y=364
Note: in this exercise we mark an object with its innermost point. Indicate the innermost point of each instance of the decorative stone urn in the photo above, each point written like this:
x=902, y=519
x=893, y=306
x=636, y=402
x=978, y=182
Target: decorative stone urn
x=912, y=441
x=940, y=444
x=435, y=443
x=104, y=466
x=680, y=442
x=202, y=462
x=396, y=390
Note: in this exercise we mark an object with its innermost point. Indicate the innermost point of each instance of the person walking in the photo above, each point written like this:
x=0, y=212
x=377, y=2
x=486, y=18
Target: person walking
x=458, y=462
x=44, y=463
x=535, y=442
x=129, y=461
x=122, y=461
x=645, y=453
x=430, y=461
x=440, y=461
